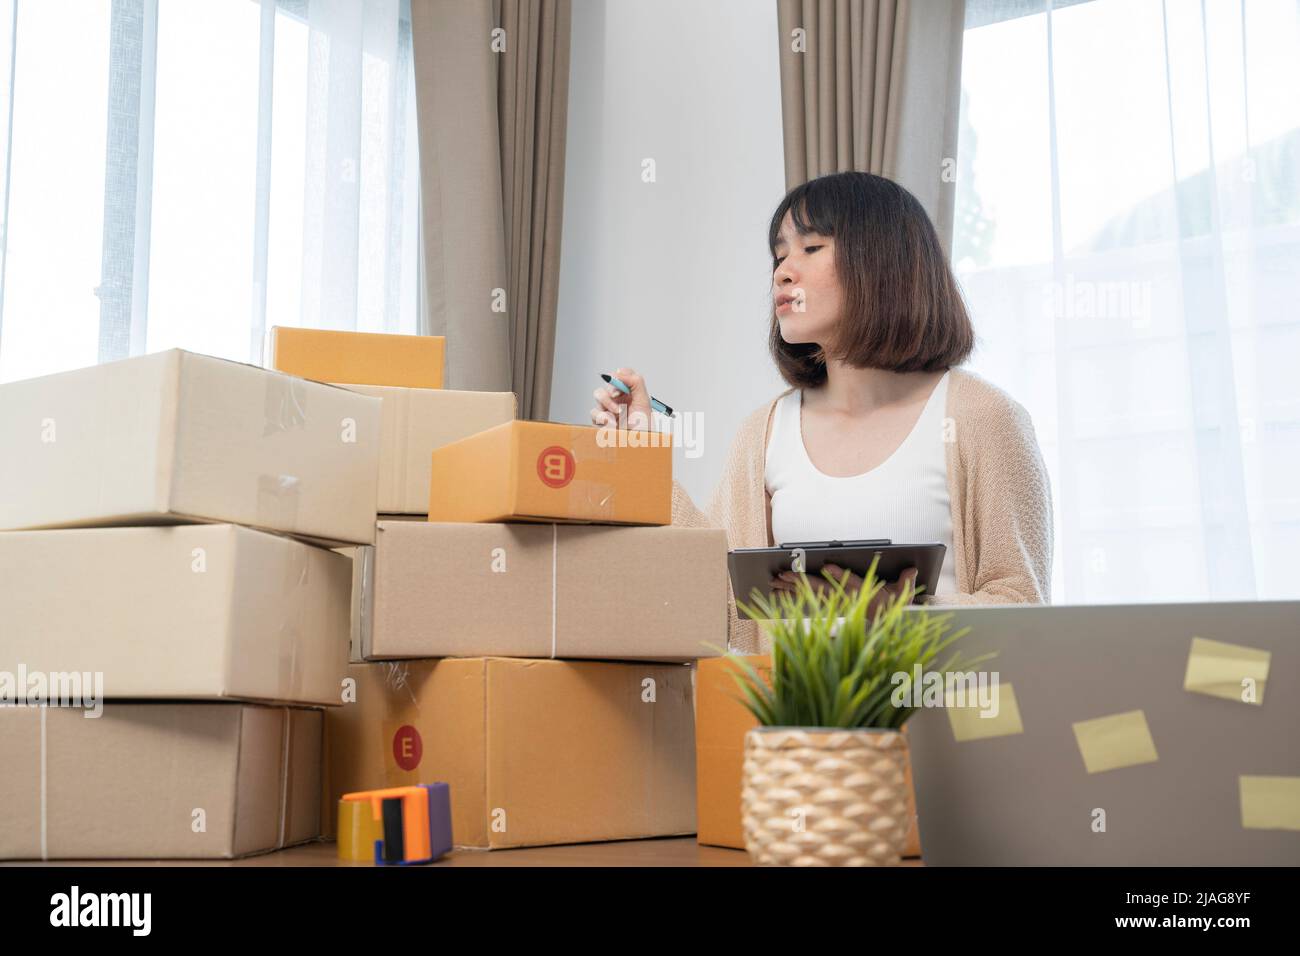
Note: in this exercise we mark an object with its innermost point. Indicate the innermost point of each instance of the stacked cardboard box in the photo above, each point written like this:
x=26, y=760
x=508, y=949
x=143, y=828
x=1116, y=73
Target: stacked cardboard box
x=536, y=751
x=526, y=643
x=418, y=414
x=162, y=525
x=167, y=531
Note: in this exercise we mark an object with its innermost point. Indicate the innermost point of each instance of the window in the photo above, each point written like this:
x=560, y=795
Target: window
x=187, y=173
x=1128, y=238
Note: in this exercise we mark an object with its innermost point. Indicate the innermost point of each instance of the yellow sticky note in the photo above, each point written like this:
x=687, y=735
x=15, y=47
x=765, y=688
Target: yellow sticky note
x=1270, y=803
x=1230, y=671
x=970, y=723
x=1120, y=740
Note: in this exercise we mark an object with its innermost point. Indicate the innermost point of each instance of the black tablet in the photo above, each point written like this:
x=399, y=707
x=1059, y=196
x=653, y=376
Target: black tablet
x=756, y=567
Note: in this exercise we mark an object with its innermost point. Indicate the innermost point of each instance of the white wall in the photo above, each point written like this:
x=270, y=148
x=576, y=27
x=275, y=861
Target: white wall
x=671, y=278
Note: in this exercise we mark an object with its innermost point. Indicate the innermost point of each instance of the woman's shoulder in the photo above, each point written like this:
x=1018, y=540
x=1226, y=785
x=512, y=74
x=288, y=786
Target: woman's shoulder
x=752, y=433
x=975, y=401
x=755, y=423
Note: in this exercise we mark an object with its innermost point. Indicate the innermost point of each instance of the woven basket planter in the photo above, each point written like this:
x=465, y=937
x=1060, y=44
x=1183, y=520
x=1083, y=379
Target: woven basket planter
x=813, y=797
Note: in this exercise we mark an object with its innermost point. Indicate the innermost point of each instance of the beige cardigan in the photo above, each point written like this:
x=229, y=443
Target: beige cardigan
x=1001, y=502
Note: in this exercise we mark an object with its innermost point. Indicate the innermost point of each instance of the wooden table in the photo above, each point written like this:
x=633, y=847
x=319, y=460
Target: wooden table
x=668, y=851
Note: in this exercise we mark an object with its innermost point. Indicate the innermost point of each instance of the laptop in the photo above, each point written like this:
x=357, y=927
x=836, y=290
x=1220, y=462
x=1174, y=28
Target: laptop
x=1210, y=797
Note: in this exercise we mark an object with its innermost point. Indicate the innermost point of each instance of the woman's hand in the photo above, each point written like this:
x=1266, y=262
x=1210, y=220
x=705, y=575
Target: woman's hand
x=785, y=581
x=611, y=403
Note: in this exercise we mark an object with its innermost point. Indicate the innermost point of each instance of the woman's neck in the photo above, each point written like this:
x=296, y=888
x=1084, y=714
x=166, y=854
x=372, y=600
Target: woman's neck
x=852, y=391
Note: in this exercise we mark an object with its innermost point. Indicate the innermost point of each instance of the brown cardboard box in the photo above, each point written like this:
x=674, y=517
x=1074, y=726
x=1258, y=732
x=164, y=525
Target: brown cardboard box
x=210, y=611
x=178, y=437
x=536, y=752
x=540, y=590
x=721, y=722
x=165, y=781
x=415, y=421
x=359, y=358
x=544, y=471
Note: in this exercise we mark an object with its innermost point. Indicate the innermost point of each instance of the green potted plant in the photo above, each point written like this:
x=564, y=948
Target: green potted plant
x=823, y=780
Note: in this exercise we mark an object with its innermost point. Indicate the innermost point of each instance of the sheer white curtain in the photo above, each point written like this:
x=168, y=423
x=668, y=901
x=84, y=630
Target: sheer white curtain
x=187, y=173
x=1128, y=237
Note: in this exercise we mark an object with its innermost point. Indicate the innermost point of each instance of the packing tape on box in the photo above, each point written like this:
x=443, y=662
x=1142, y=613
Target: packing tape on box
x=285, y=403
x=45, y=849
x=297, y=571
x=397, y=678
x=277, y=501
x=598, y=497
x=398, y=405
x=284, y=408
x=297, y=575
x=289, y=673
x=555, y=558
x=594, y=499
x=364, y=559
x=286, y=778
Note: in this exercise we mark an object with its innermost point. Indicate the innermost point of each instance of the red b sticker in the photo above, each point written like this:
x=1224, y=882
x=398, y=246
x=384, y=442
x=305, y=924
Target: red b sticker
x=555, y=466
x=408, y=748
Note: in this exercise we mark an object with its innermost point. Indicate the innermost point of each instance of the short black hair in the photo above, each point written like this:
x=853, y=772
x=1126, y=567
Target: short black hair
x=903, y=310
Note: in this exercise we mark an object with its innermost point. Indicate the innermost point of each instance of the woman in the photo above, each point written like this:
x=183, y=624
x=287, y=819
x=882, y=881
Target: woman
x=880, y=435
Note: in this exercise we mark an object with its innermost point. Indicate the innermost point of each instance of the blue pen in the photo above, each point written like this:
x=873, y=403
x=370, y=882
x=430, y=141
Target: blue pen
x=657, y=405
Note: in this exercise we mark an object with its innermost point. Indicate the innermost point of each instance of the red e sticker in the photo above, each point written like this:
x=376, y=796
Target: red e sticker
x=408, y=748
x=555, y=466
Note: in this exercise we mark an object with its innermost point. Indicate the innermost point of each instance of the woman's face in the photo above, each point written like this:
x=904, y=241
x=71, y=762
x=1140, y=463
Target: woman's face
x=805, y=288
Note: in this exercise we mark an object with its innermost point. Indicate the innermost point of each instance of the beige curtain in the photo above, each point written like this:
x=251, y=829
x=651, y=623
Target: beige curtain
x=874, y=85
x=533, y=100
x=492, y=81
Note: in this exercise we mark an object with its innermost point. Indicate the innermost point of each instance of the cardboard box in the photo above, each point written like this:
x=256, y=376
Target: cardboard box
x=178, y=437
x=544, y=471
x=536, y=752
x=415, y=421
x=721, y=722
x=182, y=612
x=540, y=590
x=158, y=781
x=359, y=358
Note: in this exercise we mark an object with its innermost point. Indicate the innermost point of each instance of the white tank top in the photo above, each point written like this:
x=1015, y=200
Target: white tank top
x=904, y=498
